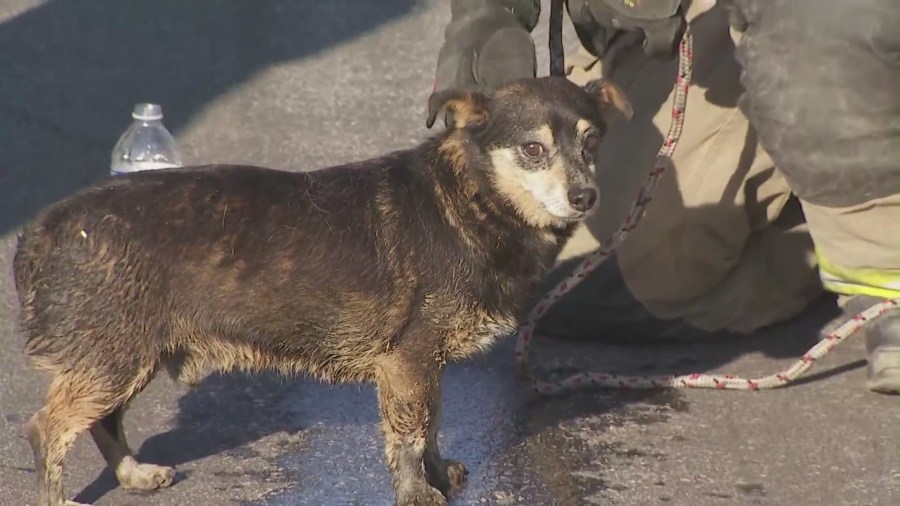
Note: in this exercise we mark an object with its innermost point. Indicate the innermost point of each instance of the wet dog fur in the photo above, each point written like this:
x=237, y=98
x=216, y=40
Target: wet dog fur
x=379, y=271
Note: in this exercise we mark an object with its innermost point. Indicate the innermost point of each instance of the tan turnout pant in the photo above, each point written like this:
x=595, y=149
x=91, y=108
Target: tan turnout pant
x=719, y=245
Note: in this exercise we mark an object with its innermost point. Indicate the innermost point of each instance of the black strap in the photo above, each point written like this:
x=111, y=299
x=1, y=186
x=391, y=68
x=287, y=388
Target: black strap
x=557, y=52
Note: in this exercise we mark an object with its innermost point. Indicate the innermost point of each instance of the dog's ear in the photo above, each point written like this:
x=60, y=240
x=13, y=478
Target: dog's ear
x=464, y=107
x=610, y=99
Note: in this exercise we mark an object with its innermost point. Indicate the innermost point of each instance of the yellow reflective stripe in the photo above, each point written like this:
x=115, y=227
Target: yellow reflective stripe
x=851, y=289
x=873, y=282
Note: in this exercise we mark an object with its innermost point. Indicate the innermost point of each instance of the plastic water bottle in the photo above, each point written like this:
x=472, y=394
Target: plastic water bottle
x=146, y=144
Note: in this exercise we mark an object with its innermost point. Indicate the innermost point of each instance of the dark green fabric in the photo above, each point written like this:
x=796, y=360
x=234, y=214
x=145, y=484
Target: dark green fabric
x=488, y=42
x=822, y=82
x=598, y=22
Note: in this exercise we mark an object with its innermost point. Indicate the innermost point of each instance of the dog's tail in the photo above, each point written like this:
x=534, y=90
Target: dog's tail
x=32, y=247
x=23, y=262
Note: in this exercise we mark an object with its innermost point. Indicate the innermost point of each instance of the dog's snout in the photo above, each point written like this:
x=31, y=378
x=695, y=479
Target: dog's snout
x=582, y=198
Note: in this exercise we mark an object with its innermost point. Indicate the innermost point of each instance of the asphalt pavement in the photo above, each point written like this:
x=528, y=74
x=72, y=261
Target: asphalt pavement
x=300, y=85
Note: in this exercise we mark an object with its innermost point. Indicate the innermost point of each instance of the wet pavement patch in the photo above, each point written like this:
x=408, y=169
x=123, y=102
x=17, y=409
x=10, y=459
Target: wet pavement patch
x=520, y=448
x=342, y=458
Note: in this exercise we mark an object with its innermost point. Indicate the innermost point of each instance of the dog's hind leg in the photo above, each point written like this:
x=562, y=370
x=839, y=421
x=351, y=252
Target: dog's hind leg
x=448, y=476
x=407, y=388
x=75, y=402
x=109, y=435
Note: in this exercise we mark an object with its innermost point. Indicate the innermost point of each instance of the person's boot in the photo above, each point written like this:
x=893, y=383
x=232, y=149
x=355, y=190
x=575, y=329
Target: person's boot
x=602, y=309
x=882, y=342
x=883, y=353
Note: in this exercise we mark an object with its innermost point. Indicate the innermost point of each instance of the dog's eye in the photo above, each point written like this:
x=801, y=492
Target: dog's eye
x=591, y=142
x=533, y=149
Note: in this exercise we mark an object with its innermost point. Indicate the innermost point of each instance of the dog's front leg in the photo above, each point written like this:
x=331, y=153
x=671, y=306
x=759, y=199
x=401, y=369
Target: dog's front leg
x=408, y=387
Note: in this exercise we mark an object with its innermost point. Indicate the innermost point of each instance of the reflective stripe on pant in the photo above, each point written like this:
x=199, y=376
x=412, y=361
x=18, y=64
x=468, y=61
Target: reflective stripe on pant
x=858, y=247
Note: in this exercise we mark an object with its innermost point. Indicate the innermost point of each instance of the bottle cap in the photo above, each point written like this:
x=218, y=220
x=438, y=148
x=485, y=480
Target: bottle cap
x=147, y=112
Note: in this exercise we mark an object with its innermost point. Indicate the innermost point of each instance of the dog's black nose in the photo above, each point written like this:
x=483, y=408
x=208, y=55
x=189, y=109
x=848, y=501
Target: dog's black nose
x=582, y=198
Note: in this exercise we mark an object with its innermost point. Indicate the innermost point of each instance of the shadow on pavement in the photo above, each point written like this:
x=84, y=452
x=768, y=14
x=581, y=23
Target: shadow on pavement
x=221, y=415
x=491, y=421
x=789, y=340
x=72, y=71
x=544, y=444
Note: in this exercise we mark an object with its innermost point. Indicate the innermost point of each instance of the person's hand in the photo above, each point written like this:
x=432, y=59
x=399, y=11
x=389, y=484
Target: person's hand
x=487, y=44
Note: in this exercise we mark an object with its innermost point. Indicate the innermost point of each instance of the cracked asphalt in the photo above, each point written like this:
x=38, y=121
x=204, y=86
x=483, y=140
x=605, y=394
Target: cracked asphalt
x=300, y=85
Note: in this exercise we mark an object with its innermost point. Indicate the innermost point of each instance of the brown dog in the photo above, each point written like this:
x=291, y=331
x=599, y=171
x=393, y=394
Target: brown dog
x=380, y=271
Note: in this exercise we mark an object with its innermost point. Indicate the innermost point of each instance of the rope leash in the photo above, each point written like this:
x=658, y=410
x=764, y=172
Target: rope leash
x=592, y=261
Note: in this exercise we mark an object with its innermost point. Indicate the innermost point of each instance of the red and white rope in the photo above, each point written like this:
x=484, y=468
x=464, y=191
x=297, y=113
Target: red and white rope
x=593, y=260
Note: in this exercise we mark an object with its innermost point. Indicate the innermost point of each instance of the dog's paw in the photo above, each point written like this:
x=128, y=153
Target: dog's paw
x=457, y=474
x=448, y=476
x=146, y=476
x=421, y=496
